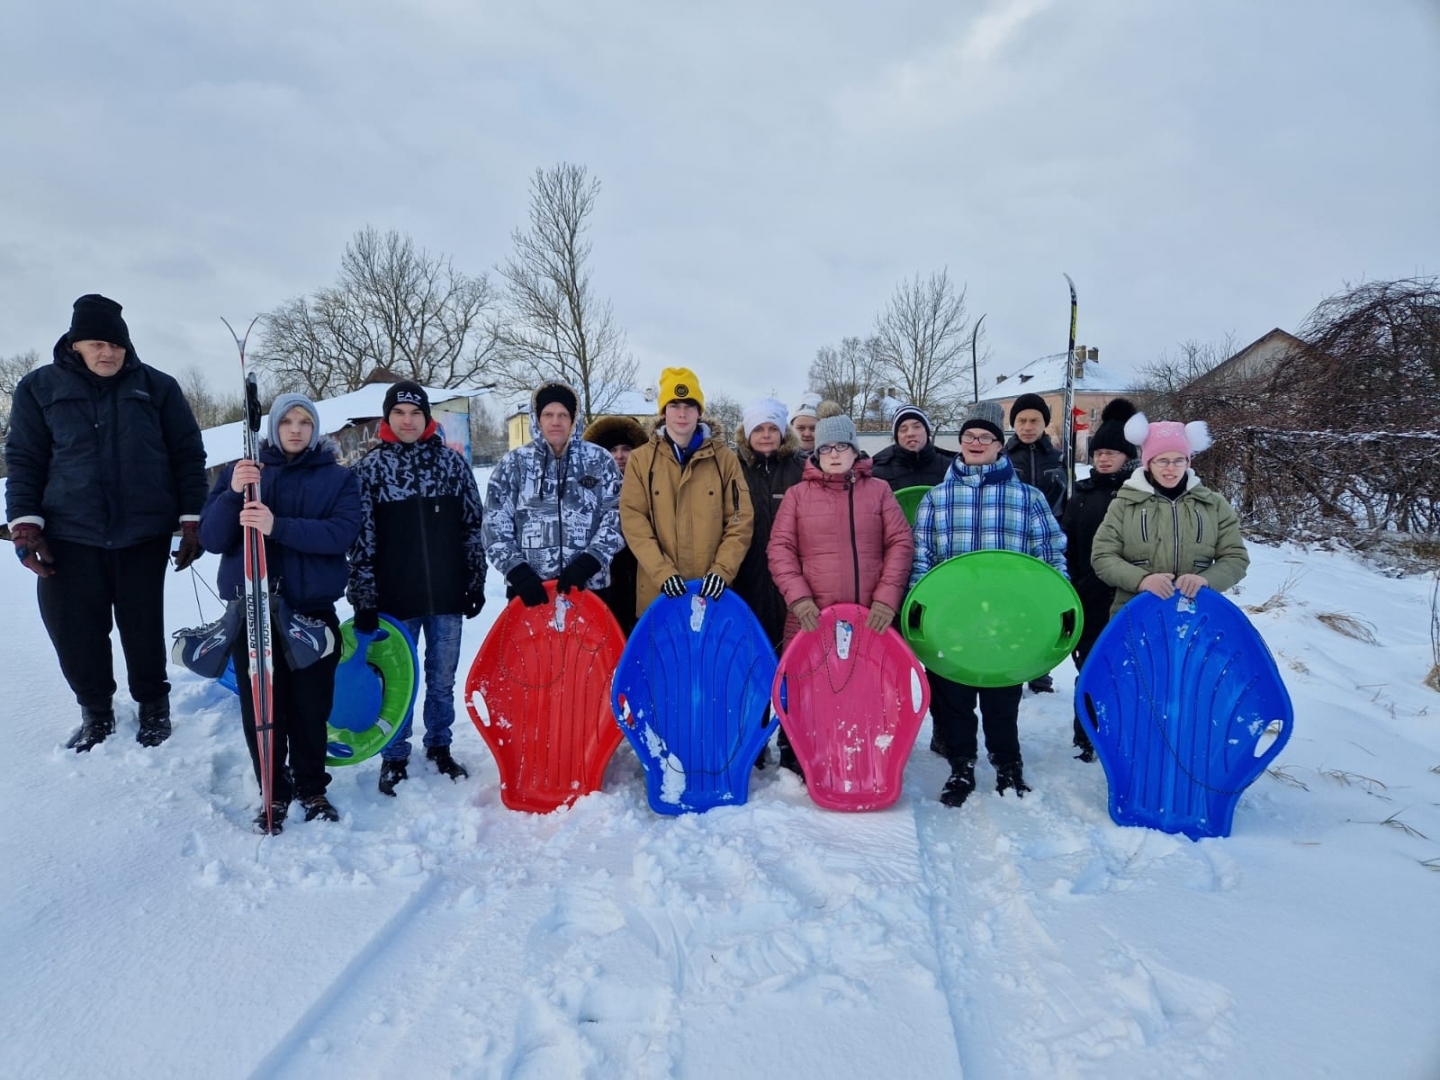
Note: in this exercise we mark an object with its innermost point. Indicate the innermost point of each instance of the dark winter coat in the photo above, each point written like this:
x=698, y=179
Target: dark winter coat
x=841, y=539
x=1041, y=466
x=1083, y=514
x=769, y=477
x=420, y=550
x=901, y=468
x=316, y=503
x=107, y=461
x=1145, y=533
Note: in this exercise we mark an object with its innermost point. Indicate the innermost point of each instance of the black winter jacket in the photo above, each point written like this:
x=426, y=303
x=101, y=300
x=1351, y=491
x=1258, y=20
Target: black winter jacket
x=316, y=503
x=1040, y=465
x=421, y=548
x=108, y=461
x=1083, y=514
x=769, y=477
x=901, y=468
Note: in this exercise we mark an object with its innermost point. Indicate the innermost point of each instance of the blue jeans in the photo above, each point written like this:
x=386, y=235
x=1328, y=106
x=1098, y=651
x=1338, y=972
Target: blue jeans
x=442, y=656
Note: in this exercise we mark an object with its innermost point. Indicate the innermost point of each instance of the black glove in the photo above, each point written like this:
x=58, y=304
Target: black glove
x=711, y=586
x=189, y=549
x=528, y=586
x=367, y=621
x=580, y=570
x=674, y=586
x=474, y=601
x=32, y=550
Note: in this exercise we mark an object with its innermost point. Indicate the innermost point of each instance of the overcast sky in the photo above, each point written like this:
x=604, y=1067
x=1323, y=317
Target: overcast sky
x=771, y=170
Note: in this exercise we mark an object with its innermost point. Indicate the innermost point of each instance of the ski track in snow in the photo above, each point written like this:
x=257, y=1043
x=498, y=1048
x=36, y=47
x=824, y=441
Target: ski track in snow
x=438, y=933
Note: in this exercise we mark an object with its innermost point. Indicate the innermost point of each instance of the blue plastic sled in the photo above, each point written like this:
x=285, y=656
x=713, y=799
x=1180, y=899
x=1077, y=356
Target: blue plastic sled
x=1186, y=708
x=692, y=694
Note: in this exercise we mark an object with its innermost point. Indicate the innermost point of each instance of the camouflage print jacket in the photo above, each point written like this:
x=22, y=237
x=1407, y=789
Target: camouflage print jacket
x=545, y=510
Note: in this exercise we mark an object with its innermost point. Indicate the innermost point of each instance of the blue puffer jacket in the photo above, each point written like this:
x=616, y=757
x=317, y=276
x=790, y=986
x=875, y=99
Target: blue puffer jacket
x=316, y=503
x=106, y=461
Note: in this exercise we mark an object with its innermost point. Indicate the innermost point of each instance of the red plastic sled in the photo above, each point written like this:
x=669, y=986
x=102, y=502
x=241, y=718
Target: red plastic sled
x=851, y=702
x=539, y=693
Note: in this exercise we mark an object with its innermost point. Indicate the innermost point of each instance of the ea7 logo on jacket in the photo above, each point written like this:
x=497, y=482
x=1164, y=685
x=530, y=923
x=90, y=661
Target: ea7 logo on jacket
x=589, y=481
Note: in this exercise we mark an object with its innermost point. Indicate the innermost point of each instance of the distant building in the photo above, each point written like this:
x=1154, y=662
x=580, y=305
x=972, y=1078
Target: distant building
x=1261, y=357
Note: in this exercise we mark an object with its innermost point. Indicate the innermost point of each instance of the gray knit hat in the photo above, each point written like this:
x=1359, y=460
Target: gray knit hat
x=836, y=429
x=282, y=404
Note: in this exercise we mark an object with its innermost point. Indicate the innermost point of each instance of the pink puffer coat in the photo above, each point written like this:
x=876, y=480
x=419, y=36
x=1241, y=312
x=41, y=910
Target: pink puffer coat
x=841, y=539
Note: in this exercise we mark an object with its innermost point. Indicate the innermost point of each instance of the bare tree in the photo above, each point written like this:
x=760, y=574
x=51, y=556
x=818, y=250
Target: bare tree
x=210, y=409
x=12, y=370
x=921, y=339
x=1163, y=379
x=555, y=326
x=395, y=307
x=848, y=373
x=489, y=438
x=723, y=413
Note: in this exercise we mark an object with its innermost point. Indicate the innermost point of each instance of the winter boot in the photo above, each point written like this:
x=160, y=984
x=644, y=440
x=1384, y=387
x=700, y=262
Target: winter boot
x=1010, y=774
x=763, y=758
x=278, y=811
x=1083, y=744
x=318, y=806
x=788, y=760
x=154, y=723
x=446, y=764
x=961, y=783
x=391, y=773
x=96, y=725
x=1043, y=685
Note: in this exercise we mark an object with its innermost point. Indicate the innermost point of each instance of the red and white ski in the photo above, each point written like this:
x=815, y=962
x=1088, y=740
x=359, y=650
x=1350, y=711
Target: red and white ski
x=257, y=597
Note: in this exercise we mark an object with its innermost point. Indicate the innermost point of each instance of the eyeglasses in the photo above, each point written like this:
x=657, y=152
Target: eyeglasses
x=832, y=448
x=978, y=440
x=1169, y=462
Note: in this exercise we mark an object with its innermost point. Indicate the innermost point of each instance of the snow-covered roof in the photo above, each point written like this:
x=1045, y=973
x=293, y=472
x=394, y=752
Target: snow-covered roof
x=224, y=443
x=1045, y=375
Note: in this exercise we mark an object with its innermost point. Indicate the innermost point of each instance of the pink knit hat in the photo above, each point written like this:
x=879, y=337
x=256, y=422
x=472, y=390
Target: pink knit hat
x=1166, y=436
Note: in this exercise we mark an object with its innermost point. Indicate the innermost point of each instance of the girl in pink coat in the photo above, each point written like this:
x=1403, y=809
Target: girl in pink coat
x=839, y=536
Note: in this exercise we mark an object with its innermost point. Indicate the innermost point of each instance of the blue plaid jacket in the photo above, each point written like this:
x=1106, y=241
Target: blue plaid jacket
x=984, y=508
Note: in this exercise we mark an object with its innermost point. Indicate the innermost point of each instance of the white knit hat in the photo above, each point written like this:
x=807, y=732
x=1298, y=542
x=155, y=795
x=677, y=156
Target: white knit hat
x=765, y=411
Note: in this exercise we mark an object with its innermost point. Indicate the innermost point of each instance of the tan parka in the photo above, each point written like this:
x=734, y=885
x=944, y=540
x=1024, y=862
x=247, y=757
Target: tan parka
x=1145, y=533
x=687, y=521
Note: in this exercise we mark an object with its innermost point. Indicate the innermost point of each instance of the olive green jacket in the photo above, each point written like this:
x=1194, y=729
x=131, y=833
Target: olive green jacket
x=1145, y=533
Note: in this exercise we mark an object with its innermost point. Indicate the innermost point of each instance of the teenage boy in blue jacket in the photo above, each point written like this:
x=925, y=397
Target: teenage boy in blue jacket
x=309, y=513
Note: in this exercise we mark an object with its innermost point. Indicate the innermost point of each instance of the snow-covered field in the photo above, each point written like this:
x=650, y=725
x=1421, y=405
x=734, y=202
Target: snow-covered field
x=146, y=931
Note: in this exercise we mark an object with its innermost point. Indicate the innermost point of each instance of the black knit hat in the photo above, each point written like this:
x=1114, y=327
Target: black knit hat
x=406, y=392
x=1110, y=435
x=97, y=318
x=1029, y=401
x=910, y=412
x=553, y=392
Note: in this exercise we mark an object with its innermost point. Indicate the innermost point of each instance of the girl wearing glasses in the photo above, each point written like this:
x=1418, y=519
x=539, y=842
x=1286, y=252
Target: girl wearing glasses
x=1166, y=532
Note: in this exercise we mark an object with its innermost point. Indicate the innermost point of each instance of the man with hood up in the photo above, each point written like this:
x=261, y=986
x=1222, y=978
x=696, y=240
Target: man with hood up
x=420, y=558
x=105, y=463
x=552, y=505
x=686, y=507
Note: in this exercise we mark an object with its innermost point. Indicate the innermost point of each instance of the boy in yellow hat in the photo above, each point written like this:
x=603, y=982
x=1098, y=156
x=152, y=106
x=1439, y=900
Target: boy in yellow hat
x=685, y=506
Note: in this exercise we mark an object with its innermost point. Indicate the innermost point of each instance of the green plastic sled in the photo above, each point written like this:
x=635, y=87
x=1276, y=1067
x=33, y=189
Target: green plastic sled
x=909, y=500
x=992, y=618
x=373, y=698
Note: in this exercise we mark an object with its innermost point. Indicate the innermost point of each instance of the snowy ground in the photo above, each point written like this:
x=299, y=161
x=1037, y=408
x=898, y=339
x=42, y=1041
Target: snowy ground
x=146, y=931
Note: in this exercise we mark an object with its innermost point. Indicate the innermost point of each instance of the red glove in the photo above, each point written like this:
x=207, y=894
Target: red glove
x=189, y=549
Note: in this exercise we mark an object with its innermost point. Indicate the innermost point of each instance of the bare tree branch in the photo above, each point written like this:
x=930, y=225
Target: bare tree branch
x=554, y=325
x=920, y=341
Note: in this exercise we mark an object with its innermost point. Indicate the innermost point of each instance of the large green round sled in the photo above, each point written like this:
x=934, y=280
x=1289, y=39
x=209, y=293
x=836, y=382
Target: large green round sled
x=909, y=500
x=373, y=694
x=992, y=618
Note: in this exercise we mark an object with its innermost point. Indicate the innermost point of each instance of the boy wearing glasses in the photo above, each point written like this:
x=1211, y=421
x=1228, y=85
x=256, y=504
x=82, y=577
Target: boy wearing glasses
x=1166, y=532
x=981, y=505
